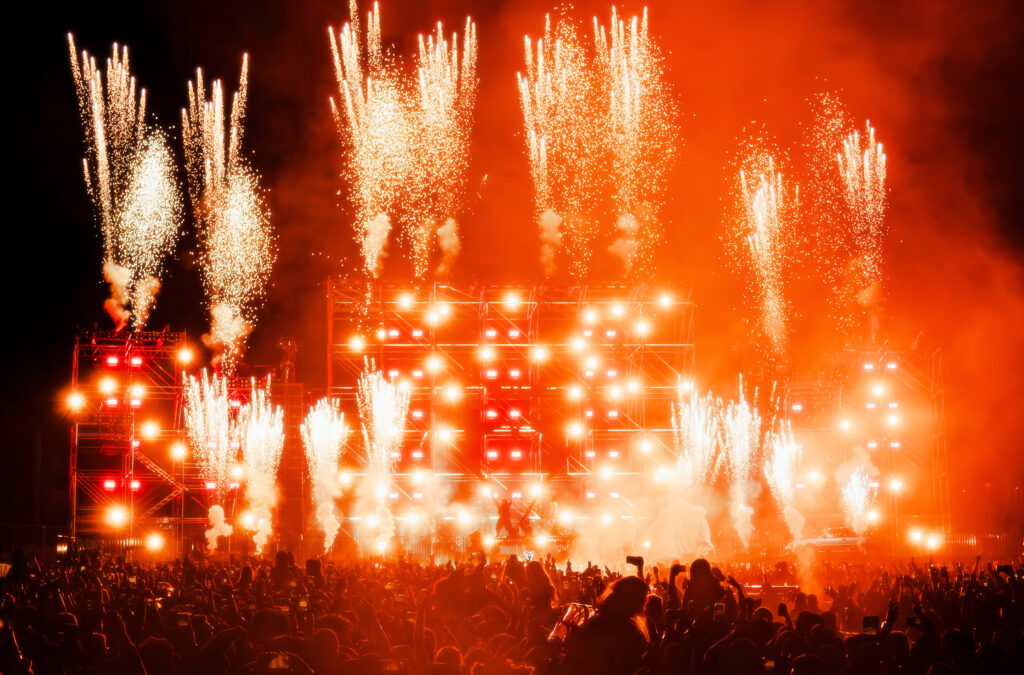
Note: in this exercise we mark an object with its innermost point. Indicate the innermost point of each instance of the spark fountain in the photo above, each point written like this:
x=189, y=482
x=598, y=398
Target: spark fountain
x=642, y=136
x=383, y=408
x=780, y=472
x=261, y=429
x=130, y=177
x=213, y=435
x=741, y=440
x=234, y=222
x=566, y=136
x=323, y=436
x=857, y=497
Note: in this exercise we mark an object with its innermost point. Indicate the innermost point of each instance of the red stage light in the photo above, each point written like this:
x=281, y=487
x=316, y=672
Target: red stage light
x=136, y=361
x=109, y=485
x=113, y=360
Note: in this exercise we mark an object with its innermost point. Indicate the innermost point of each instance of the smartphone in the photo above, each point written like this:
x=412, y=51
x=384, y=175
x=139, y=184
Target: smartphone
x=636, y=560
x=719, y=610
x=870, y=625
x=769, y=666
x=782, y=609
x=183, y=620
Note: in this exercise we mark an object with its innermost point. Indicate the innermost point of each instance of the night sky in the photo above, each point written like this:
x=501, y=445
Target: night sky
x=941, y=81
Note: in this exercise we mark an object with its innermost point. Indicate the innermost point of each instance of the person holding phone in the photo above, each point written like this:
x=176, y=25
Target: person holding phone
x=614, y=640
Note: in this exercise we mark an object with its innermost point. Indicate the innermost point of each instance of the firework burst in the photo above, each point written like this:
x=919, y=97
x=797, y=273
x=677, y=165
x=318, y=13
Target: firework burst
x=383, y=408
x=261, y=430
x=566, y=136
x=741, y=441
x=323, y=436
x=641, y=134
x=130, y=177
x=767, y=207
x=234, y=221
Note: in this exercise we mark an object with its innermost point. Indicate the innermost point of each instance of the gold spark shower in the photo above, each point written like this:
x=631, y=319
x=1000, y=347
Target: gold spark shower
x=766, y=210
x=862, y=169
x=261, y=429
x=130, y=177
x=233, y=219
x=213, y=435
x=566, y=134
x=642, y=135
x=695, y=429
x=383, y=408
x=375, y=117
x=857, y=497
x=446, y=85
x=323, y=436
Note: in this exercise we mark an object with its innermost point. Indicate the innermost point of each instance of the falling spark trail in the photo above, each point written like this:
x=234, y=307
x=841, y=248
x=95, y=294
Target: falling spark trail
x=323, y=436
x=130, y=177
x=233, y=219
x=862, y=168
x=261, y=429
x=383, y=407
x=780, y=472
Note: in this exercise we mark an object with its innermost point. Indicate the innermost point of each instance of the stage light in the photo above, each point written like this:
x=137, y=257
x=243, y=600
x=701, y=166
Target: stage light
x=433, y=318
x=419, y=477
x=893, y=420
x=618, y=310
x=372, y=520
x=452, y=393
x=382, y=334
x=565, y=516
x=614, y=393
x=345, y=478
x=647, y=544
x=815, y=476
x=154, y=542
x=405, y=300
x=607, y=472
x=878, y=390
x=117, y=516
x=489, y=541
x=486, y=353
x=109, y=485
x=578, y=344
x=445, y=435
x=642, y=328
x=873, y=516
x=590, y=316
x=434, y=364
x=634, y=386
x=536, y=489
x=574, y=392
x=150, y=430
x=541, y=541
x=210, y=485
x=798, y=407
x=869, y=366
x=891, y=365
x=412, y=518
x=511, y=300
x=575, y=430
x=382, y=546
x=686, y=386
x=665, y=300
x=916, y=536
x=178, y=451
x=661, y=474
x=590, y=362
x=844, y=425
x=895, y=486
x=75, y=401
x=464, y=518
x=606, y=518
x=136, y=391
x=443, y=309
x=933, y=542
x=185, y=356
x=107, y=386
x=357, y=343
x=491, y=332
x=485, y=490
x=539, y=354
x=113, y=360
x=646, y=446
x=236, y=472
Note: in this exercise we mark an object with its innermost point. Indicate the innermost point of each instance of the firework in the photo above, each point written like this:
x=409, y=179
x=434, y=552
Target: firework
x=780, y=470
x=862, y=168
x=234, y=222
x=641, y=133
x=857, y=497
x=695, y=430
x=566, y=137
x=442, y=120
x=130, y=176
x=767, y=209
x=323, y=436
x=261, y=430
x=213, y=435
x=741, y=440
x=375, y=118
x=383, y=407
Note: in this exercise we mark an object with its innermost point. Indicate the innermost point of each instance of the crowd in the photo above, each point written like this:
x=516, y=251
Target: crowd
x=95, y=614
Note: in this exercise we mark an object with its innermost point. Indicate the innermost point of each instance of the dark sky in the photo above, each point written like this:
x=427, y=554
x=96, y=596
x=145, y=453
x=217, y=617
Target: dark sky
x=939, y=80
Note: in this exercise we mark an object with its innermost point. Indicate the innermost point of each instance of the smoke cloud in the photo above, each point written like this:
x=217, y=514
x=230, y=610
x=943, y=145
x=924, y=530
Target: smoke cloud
x=550, y=240
x=218, y=527
x=451, y=246
x=119, y=279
